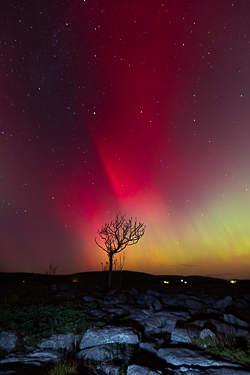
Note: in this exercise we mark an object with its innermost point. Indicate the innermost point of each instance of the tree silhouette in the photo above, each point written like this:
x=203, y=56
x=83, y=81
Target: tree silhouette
x=117, y=235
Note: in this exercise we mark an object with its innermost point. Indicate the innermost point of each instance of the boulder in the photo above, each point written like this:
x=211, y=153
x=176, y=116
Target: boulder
x=222, y=303
x=107, y=369
x=152, y=302
x=8, y=340
x=169, y=301
x=241, y=304
x=108, y=334
x=96, y=354
x=231, y=319
x=139, y=315
x=164, y=321
x=153, y=293
x=208, y=300
x=194, y=304
x=208, y=337
x=109, y=353
x=184, y=335
x=121, y=299
x=60, y=341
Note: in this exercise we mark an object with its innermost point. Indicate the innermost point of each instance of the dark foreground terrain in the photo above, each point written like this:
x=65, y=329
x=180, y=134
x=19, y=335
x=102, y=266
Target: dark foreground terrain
x=162, y=310
x=24, y=284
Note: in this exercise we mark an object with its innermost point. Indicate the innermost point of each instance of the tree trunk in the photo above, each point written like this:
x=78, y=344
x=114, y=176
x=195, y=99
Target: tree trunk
x=110, y=268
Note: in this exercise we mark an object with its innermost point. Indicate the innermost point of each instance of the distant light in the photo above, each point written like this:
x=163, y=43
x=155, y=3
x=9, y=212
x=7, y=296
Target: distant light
x=166, y=282
x=233, y=281
x=23, y=281
x=75, y=281
x=185, y=282
x=181, y=280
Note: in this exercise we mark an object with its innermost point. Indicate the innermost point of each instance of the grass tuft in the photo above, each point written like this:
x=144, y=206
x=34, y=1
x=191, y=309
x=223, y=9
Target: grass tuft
x=226, y=345
x=64, y=367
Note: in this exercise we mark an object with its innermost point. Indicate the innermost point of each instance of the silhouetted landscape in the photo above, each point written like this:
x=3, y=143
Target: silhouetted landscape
x=26, y=283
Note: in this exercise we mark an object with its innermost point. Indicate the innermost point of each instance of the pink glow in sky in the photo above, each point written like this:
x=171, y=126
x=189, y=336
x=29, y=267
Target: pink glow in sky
x=140, y=107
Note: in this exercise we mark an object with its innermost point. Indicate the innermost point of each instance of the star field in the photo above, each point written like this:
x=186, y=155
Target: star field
x=140, y=107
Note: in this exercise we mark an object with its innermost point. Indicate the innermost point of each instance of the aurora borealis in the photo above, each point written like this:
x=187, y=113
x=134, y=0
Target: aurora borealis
x=138, y=106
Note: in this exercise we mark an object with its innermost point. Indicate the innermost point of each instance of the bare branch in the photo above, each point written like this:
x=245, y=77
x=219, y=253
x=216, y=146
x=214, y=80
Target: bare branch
x=100, y=246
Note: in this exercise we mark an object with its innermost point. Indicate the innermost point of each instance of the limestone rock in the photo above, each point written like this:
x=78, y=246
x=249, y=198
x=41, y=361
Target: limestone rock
x=148, y=347
x=153, y=302
x=231, y=319
x=169, y=301
x=149, y=325
x=139, y=315
x=96, y=354
x=60, y=341
x=164, y=321
x=121, y=299
x=114, y=310
x=222, y=303
x=183, y=356
x=241, y=304
x=108, y=353
x=184, y=335
x=108, y=369
x=37, y=357
x=107, y=335
x=98, y=313
x=138, y=370
x=194, y=304
x=226, y=371
x=8, y=340
x=208, y=338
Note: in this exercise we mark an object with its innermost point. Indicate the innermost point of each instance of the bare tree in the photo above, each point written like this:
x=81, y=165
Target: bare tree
x=117, y=235
x=52, y=270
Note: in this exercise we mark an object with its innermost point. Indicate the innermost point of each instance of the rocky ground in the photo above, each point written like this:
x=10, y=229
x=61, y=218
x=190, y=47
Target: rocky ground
x=151, y=327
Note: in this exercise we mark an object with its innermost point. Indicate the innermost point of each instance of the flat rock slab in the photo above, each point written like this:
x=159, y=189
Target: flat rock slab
x=96, y=354
x=139, y=370
x=164, y=321
x=183, y=356
x=231, y=319
x=227, y=371
x=37, y=358
x=108, y=335
x=60, y=341
x=217, y=371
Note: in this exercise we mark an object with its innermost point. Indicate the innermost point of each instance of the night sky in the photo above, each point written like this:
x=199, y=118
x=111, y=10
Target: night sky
x=136, y=106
